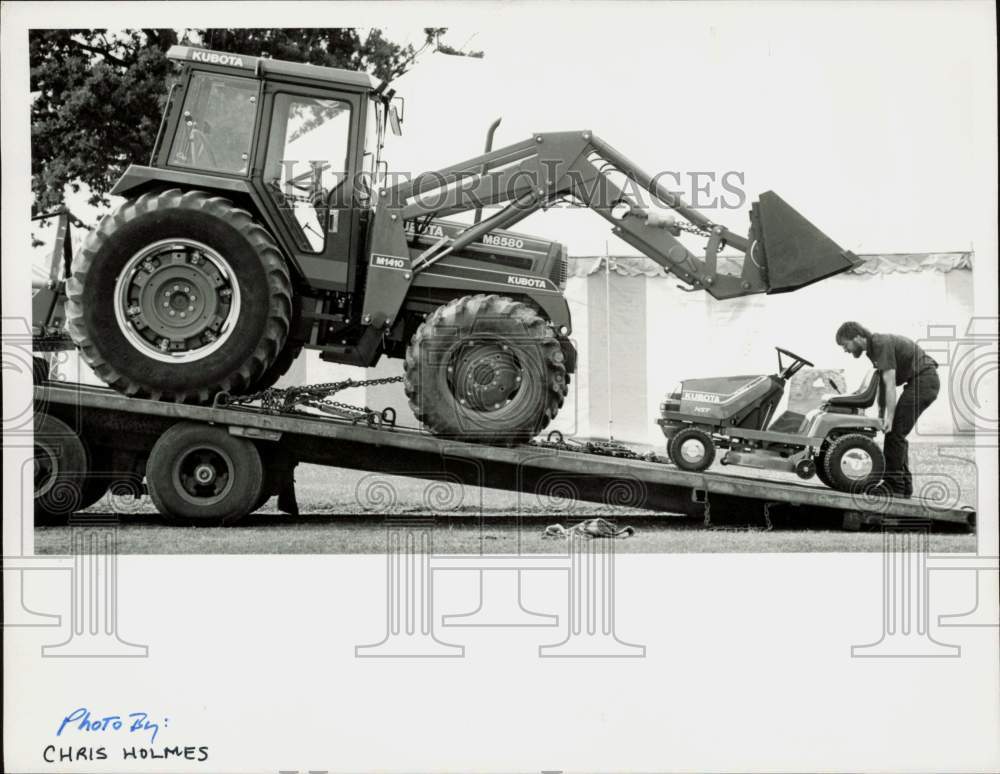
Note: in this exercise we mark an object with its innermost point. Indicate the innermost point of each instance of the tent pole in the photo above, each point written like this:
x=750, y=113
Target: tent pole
x=607, y=322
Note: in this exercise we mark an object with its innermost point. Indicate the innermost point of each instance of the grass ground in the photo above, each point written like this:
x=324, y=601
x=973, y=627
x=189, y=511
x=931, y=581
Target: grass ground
x=342, y=512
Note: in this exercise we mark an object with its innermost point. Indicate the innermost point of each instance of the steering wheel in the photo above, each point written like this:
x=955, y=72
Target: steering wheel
x=201, y=148
x=795, y=357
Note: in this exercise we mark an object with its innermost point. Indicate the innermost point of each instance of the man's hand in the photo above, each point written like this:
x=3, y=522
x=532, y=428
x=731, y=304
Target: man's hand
x=886, y=425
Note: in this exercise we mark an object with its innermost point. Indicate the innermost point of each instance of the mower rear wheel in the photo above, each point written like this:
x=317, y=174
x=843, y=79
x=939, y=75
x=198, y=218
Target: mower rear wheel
x=485, y=368
x=202, y=476
x=692, y=449
x=178, y=295
x=821, y=469
x=853, y=462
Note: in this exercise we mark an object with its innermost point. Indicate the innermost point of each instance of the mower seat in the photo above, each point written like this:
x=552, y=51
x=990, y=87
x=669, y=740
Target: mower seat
x=861, y=399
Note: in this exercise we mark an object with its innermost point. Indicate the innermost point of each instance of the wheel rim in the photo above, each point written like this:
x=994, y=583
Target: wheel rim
x=45, y=466
x=204, y=475
x=177, y=301
x=485, y=375
x=692, y=451
x=857, y=464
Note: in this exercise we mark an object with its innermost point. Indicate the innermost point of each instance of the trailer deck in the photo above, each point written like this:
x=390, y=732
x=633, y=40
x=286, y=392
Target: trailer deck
x=111, y=420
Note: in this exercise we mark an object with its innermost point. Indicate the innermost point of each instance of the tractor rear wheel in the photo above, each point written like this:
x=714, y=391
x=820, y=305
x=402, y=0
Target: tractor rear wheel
x=280, y=366
x=179, y=295
x=853, y=462
x=485, y=368
x=692, y=449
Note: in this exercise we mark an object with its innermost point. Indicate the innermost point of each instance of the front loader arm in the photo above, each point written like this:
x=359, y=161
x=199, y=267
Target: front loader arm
x=782, y=251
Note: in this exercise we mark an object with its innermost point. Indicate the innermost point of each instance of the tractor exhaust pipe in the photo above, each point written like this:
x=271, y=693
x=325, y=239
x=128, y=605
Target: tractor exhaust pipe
x=792, y=252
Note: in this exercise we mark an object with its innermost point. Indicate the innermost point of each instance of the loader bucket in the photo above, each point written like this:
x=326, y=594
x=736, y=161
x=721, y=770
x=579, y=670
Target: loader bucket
x=794, y=252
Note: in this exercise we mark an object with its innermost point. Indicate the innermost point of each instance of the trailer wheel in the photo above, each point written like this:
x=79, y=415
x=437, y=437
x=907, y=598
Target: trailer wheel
x=63, y=481
x=485, y=368
x=853, y=462
x=692, y=449
x=178, y=295
x=203, y=476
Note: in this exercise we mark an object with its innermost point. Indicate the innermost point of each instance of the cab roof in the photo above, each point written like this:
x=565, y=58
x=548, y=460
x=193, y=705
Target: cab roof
x=261, y=66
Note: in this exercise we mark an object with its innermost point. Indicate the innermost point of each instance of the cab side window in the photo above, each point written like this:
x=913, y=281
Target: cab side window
x=307, y=162
x=216, y=126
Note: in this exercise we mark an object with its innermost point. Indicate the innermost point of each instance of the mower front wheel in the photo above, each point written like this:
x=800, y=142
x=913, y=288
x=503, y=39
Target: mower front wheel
x=691, y=449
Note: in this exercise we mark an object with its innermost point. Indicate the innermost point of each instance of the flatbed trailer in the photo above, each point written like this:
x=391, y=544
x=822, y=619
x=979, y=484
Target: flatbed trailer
x=121, y=435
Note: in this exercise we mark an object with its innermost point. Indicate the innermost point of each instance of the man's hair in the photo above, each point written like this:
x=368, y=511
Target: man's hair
x=849, y=330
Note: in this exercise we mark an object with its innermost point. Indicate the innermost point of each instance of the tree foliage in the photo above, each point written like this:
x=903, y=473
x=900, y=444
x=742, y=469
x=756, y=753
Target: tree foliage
x=99, y=94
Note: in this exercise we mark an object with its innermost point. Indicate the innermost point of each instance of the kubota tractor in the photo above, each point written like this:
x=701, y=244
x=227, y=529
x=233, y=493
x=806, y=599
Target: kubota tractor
x=257, y=229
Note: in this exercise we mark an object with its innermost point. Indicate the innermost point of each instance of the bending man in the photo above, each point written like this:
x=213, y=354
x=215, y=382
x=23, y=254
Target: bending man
x=900, y=361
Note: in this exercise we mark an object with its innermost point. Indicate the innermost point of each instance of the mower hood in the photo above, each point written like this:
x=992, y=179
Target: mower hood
x=792, y=251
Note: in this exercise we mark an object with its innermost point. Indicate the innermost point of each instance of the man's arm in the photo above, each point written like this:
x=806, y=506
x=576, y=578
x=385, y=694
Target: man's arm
x=889, y=391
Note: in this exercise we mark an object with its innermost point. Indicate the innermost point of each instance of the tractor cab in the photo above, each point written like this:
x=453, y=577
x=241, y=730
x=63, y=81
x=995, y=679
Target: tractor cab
x=298, y=143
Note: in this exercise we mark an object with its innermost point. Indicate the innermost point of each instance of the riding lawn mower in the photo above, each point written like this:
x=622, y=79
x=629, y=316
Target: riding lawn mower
x=834, y=442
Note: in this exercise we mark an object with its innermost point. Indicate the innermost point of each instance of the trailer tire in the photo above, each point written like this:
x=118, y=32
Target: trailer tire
x=200, y=475
x=485, y=368
x=691, y=449
x=867, y=474
x=64, y=482
x=226, y=300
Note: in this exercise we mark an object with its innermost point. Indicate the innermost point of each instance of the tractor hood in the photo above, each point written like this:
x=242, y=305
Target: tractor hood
x=719, y=389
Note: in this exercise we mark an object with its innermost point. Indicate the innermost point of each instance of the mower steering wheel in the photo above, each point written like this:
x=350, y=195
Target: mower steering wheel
x=795, y=357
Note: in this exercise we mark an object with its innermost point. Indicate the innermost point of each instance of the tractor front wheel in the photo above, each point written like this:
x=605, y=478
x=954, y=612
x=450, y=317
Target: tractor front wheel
x=485, y=368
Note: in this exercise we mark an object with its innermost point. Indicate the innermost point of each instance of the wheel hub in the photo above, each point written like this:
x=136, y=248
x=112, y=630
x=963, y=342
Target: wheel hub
x=485, y=376
x=692, y=450
x=177, y=300
x=856, y=464
x=204, y=475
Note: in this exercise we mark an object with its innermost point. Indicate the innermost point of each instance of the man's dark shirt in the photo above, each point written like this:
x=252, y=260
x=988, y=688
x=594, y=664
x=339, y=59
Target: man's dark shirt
x=887, y=351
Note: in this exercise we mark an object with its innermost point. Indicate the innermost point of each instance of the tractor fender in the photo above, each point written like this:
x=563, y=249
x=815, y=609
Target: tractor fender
x=138, y=180
x=551, y=302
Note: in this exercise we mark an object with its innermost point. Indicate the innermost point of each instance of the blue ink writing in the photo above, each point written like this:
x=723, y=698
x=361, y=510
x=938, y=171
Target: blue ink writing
x=137, y=722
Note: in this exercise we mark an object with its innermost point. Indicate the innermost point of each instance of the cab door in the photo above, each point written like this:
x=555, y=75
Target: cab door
x=310, y=157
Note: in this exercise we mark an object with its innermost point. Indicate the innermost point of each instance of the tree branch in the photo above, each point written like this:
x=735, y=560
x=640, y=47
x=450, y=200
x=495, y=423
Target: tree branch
x=97, y=50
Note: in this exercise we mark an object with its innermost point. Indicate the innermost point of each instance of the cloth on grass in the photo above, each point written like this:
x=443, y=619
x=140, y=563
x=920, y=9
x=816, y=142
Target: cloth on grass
x=591, y=528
